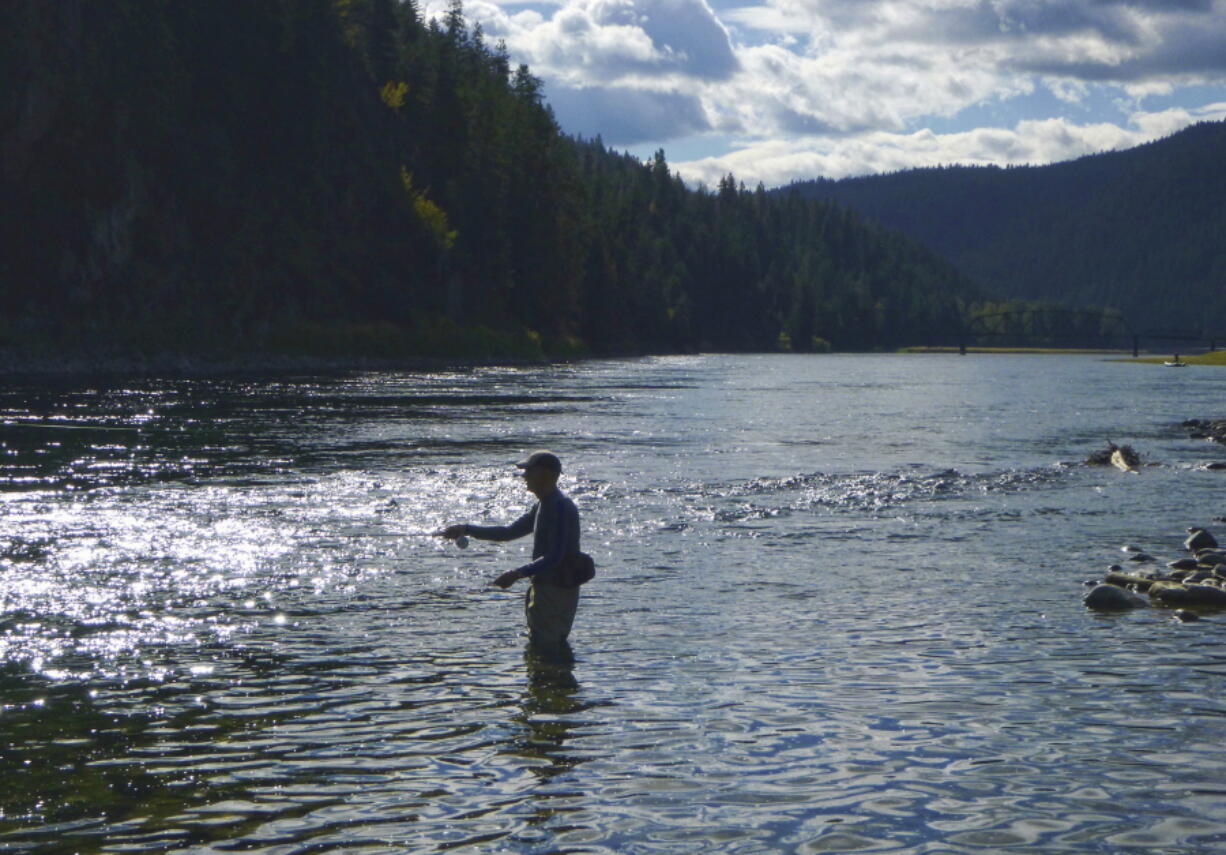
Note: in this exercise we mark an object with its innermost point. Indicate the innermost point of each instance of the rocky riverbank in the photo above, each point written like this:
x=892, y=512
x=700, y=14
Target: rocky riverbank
x=1192, y=585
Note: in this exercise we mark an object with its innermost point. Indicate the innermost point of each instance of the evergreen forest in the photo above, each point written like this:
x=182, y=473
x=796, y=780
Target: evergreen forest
x=1139, y=230
x=344, y=177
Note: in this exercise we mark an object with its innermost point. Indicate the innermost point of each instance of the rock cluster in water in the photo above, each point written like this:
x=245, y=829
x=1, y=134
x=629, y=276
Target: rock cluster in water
x=1115, y=455
x=1193, y=584
x=1214, y=429
x=1208, y=428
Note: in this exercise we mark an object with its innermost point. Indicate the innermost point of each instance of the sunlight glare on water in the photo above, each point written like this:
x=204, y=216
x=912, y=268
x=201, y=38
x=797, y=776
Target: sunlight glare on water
x=838, y=609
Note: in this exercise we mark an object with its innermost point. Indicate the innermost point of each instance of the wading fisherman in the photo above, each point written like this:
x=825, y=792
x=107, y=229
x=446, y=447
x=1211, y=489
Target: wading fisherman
x=550, y=602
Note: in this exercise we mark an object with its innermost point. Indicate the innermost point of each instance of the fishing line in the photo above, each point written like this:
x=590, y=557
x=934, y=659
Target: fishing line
x=46, y=426
x=461, y=541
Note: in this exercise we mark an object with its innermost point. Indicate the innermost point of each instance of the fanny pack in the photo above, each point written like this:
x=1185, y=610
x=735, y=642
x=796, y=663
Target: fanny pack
x=571, y=572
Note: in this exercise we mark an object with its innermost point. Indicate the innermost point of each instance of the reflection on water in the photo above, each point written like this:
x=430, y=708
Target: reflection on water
x=838, y=610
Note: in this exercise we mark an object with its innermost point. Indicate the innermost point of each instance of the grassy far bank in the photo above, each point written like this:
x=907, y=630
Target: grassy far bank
x=1216, y=357
x=1031, y=350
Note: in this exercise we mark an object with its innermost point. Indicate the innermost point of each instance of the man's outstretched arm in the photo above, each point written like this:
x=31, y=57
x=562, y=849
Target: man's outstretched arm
x=520, y=528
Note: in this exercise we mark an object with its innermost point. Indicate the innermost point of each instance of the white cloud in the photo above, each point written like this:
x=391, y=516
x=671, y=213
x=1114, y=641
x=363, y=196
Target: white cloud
x=1167, y=122
x=771, y=19
x=591, y=42
x=776, y=162
x=840, y=86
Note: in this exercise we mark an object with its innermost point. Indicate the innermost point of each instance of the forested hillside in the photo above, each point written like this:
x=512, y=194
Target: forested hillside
x=347, y=178
x=1141, y=230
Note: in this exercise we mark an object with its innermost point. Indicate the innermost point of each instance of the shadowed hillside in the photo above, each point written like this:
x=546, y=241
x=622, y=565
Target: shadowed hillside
x=1141, y=230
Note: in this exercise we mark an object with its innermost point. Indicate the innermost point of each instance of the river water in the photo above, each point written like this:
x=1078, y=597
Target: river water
x=838, y=609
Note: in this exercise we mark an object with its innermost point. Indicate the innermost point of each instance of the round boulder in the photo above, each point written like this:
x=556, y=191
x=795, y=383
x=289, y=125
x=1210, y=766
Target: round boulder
x=1198, y=538
x=1209, y=596
x=1109, y=598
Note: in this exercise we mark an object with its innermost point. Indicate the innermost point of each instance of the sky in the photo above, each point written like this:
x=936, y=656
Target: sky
x=775, y=91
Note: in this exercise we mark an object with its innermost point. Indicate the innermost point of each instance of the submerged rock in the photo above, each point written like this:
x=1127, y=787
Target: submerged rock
x=1191, y=595
x=1210, y=596
x=1110, y=598
x=1130, y=581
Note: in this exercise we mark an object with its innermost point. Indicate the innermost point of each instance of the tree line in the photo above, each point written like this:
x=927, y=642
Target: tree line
x=345, y=176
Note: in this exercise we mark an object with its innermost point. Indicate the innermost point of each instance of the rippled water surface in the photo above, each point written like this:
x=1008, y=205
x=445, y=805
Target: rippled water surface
x=838, y=610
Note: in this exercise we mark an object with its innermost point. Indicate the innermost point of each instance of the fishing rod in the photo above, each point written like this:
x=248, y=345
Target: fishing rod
x=461, y=541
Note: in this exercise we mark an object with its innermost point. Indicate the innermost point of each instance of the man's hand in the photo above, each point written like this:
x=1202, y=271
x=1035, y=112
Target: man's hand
x=451, y=532
x=507, y=579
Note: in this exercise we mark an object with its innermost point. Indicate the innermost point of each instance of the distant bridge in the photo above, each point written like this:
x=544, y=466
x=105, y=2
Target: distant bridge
x=1071, y=325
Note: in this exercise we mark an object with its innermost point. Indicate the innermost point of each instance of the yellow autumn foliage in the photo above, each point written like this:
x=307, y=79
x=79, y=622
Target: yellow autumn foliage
x=393, y=94
x=429, y=214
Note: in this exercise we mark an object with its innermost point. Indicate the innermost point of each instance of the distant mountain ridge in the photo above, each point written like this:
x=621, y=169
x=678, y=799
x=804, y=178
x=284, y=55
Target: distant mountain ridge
x=1142, y=230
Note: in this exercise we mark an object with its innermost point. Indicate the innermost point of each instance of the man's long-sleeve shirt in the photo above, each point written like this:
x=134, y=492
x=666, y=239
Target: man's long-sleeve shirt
x=554, y=523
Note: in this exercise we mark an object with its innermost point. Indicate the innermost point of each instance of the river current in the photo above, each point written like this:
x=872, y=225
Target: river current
x=838, y=609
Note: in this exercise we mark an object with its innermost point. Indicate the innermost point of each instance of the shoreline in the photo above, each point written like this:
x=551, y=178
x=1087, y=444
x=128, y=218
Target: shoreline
x=1215, y=357
x=18, y=366
x=1034, y=351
